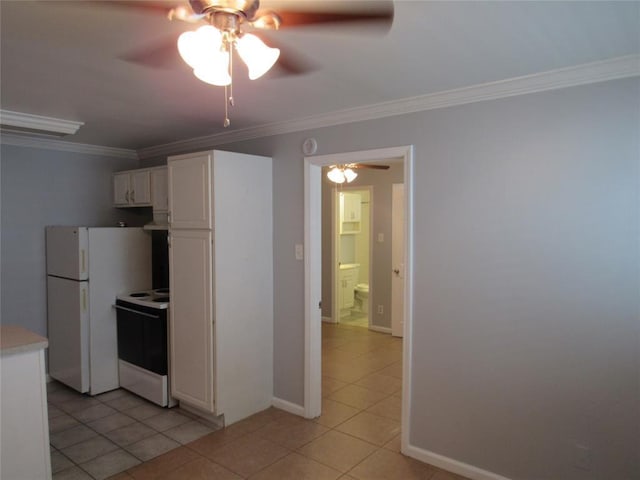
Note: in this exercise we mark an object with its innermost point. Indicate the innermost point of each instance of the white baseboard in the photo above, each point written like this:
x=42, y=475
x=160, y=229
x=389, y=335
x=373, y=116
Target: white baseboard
x=288, y=406
x=375, y=328
x=328, y=320
x=451, y=465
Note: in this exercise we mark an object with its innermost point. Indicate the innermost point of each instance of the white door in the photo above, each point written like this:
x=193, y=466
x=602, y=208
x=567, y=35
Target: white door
x=68, y=332
x=68, y=252
x=190, y=191
x=397, y=259
x=191, y=317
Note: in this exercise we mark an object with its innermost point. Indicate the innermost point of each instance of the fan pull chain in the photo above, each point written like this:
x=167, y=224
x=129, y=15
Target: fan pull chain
x=228, y=90
x=227, y=122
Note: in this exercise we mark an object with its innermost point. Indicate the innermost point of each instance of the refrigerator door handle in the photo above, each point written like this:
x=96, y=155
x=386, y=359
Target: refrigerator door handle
x=84, y=299
x=137, y=312
x=83, y=265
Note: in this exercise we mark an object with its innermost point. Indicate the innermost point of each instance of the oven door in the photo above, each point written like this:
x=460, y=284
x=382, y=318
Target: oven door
x=142, y=336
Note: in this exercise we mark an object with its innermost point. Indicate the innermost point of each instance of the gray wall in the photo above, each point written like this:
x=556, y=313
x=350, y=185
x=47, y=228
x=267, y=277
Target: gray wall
x=526, y=310
x=526, y=334
x=46, y=187
x=382, y=182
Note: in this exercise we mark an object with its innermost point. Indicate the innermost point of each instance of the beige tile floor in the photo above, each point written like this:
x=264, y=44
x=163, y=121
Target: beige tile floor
x=120, y=436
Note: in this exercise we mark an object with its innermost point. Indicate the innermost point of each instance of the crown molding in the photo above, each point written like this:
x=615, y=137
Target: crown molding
x=65, y=146
x=594, y=72
x=56, y=127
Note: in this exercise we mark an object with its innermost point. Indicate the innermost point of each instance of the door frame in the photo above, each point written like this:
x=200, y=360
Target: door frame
x=397, y=206
x=313, y=273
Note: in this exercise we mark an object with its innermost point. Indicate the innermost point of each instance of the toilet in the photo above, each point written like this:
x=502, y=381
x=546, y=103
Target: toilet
x=362, y=297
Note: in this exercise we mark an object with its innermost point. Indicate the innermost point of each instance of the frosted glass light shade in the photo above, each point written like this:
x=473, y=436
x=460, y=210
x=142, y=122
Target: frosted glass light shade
x=256, y=55
x=336, y=175
x=217, y=73
x=202, y=50
x=349, y=175
x=196, y=48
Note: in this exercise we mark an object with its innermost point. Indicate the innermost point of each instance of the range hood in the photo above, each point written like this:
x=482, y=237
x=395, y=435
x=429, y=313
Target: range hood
x=159, y=222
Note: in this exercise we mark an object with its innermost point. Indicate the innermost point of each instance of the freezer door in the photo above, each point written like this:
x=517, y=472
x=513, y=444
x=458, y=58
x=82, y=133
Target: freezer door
x=68, y=252
x=68, y=332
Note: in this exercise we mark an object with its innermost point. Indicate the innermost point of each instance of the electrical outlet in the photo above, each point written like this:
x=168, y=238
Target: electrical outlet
x=380, y=309
x=299, y=251
x=582, y=457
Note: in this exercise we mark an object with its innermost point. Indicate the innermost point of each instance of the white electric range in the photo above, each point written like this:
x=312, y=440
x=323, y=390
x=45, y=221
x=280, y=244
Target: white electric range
x=143, y=344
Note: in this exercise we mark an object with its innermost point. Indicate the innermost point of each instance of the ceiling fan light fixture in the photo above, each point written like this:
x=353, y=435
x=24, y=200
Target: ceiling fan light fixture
x=258, y=57
x=336, y=175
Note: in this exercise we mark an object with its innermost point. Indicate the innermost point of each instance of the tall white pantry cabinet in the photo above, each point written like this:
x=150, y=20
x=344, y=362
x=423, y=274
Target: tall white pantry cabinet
x=221, y=281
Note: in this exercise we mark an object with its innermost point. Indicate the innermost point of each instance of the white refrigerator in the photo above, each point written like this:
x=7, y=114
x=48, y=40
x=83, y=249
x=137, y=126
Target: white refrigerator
x=86, y=268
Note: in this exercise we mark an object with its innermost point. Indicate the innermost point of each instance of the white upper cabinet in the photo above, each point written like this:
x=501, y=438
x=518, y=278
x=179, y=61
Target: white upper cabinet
x=132, y=188
x=190, y=191
x=160, y=189
x=350, y=212
x=121, y=189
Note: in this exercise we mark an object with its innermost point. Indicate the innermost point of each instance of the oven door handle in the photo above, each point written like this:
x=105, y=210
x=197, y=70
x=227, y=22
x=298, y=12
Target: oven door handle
x=138, y=312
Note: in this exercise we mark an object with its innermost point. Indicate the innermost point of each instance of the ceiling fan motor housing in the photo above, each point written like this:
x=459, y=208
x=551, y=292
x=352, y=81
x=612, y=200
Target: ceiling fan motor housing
x=243, y=8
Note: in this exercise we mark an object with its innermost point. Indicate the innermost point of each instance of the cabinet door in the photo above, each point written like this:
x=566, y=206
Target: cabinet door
x=140, y=188
x=121, y=189
x=159, y=189
x=350, y=212
x=191, y=317
x=347, y=286
x=190, y=191
x=352, y=207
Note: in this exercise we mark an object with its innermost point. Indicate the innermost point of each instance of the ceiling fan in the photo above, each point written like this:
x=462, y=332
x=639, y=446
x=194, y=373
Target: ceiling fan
x=346, y=173
x=228, y=23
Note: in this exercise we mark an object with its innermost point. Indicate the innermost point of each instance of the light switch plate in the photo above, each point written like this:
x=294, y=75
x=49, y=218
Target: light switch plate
x=299, y=251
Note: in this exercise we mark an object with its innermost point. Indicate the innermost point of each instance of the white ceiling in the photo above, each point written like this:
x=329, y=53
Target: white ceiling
x=64, y=60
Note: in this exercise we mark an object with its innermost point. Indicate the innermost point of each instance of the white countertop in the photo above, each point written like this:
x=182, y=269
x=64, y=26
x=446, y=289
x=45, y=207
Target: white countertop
x=347, y=266
x=15, y=339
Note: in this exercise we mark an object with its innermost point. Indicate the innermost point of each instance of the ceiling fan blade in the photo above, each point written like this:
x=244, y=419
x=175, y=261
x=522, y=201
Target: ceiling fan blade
x=290, y=62
x=374, y=166
x=375, y=13
x=157, y=6
x=172, y=9
x=163, y=54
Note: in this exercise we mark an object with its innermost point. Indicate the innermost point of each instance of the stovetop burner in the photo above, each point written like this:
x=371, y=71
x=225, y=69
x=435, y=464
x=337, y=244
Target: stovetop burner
x=158, y=298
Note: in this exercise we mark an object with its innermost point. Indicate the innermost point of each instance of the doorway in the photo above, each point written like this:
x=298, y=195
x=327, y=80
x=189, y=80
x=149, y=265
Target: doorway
x=352, y=211
x=313, y=295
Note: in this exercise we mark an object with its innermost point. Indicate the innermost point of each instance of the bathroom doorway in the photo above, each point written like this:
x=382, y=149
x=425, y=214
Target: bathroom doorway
x=352, y=213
